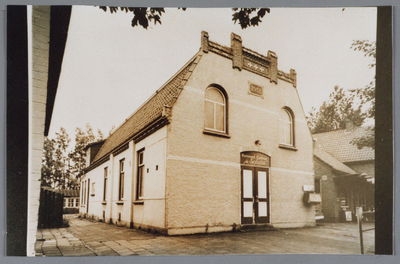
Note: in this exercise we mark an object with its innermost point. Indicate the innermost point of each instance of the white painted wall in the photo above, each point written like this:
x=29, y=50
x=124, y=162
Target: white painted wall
x=152, y=211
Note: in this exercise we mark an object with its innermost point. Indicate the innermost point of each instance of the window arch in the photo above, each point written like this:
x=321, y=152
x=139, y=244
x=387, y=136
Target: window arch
x=286, y=127
x=215, y=112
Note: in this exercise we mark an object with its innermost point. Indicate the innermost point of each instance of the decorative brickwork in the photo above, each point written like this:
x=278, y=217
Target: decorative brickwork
x=237, y=52
x=204, y=41
x=274, y=66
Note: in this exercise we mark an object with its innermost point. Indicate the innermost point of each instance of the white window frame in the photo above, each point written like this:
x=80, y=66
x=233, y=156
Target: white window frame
x=215, y=112
x=140, y=166
x=282, y=123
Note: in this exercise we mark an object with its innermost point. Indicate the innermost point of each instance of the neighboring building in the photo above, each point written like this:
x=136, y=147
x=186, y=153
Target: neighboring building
x=344, y=174
x=36, y=37
x=222, y=145
x=71, y=201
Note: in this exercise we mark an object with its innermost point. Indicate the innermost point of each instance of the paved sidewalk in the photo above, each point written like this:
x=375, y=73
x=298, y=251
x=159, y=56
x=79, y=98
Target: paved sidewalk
x=85, y=238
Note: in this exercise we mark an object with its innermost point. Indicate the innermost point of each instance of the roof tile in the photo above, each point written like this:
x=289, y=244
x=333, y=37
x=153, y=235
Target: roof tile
x=148, y=112
x=338, y=144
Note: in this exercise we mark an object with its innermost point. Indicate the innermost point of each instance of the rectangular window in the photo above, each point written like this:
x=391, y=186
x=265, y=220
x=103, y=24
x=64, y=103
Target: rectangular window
x=121, y=179
x=70, y=202
x=317, y=184
x=105, y=183
x=140, y=175
x=84, y=193
x=77, y=202
x=93, y=190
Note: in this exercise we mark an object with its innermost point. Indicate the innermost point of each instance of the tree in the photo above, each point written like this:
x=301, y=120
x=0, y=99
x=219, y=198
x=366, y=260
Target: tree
x=142, y=16
x=334, y=112
x=61, y=168
x=78, y=155
x=47, y=162
x=56, y=171
x=367, y=94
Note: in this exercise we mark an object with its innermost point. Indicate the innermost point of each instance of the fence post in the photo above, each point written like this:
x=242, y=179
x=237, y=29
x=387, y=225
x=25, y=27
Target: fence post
x=359, y=212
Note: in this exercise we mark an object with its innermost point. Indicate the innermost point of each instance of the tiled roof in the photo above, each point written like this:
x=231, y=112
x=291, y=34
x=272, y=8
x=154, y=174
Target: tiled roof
x=337, y=143
x=150, y=111
x=332, y=162
x=64, y=192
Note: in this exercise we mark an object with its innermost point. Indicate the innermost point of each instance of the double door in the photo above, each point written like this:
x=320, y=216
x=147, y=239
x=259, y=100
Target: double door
x=255, y=195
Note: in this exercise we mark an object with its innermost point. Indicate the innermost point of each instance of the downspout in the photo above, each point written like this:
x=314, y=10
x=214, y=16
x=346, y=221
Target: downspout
x=133, y=177
x=112, y=185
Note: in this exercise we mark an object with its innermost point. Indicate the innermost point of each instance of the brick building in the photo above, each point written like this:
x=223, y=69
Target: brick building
x=344, y=174
x=221, y=145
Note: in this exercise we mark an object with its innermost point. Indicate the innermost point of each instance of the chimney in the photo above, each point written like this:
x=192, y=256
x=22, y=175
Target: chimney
x=236, y=46
x=349, y=124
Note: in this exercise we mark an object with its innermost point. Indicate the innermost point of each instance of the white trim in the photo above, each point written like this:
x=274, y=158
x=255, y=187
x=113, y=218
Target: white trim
x=31, y=230
x=276, y=169
x=207, y=161
x=233, y=164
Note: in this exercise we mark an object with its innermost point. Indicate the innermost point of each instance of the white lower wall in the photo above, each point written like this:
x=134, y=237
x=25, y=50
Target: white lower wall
x=150, y=211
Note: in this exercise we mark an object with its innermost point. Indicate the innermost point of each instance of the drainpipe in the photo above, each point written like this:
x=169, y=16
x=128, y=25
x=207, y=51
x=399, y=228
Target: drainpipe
x=112, y=184
x=132, y=146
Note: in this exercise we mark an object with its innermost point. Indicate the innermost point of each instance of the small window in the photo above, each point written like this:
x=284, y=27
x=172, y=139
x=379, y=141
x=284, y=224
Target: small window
x=77, y=202
x=121, y=179
x=70, y=202
x=140, y=175
x=105, y=183
x=215, y=110
x=317, y=185
x=285, y=127
x=93, y=189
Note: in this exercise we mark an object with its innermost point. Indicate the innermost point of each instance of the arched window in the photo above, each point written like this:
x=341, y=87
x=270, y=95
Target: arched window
x=286, y=127
x=215, y=110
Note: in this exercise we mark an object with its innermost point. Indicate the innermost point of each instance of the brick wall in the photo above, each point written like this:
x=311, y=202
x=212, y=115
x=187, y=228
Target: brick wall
x=330, y=205
x=367, y=167
x=203, y=171
x=39, y=57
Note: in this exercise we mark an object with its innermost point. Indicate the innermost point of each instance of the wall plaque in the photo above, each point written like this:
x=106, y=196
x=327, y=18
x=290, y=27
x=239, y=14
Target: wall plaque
x=255, y=158
x=256, y=90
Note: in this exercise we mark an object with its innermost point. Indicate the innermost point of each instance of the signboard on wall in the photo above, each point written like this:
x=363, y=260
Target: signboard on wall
x=255, y=158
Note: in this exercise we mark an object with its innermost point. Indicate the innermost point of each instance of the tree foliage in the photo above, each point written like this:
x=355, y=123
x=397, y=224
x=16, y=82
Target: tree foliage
x=143, y=16
x=249, y=17
x=367, y=94
x=62, y=167
x=356, y=105
x=55, y=166
x=334, y=112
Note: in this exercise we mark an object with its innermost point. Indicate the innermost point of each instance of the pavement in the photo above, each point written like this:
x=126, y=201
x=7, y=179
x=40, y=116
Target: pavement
x=86, y=238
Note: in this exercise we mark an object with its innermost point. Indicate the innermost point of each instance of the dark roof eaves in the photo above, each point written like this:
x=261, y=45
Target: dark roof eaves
x=335, y=171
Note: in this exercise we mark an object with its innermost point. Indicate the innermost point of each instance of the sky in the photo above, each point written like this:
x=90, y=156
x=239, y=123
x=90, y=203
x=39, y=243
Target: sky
x=110, y=68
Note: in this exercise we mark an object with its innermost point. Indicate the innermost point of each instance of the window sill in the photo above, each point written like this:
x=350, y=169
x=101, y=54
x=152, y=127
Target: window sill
x=138, y=202
x=120, y=202
x=215, y=133
x=287, y=147
x=103, y=202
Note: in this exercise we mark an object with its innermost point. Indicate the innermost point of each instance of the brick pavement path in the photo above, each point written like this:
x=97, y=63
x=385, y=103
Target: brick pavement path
x=85, y=238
